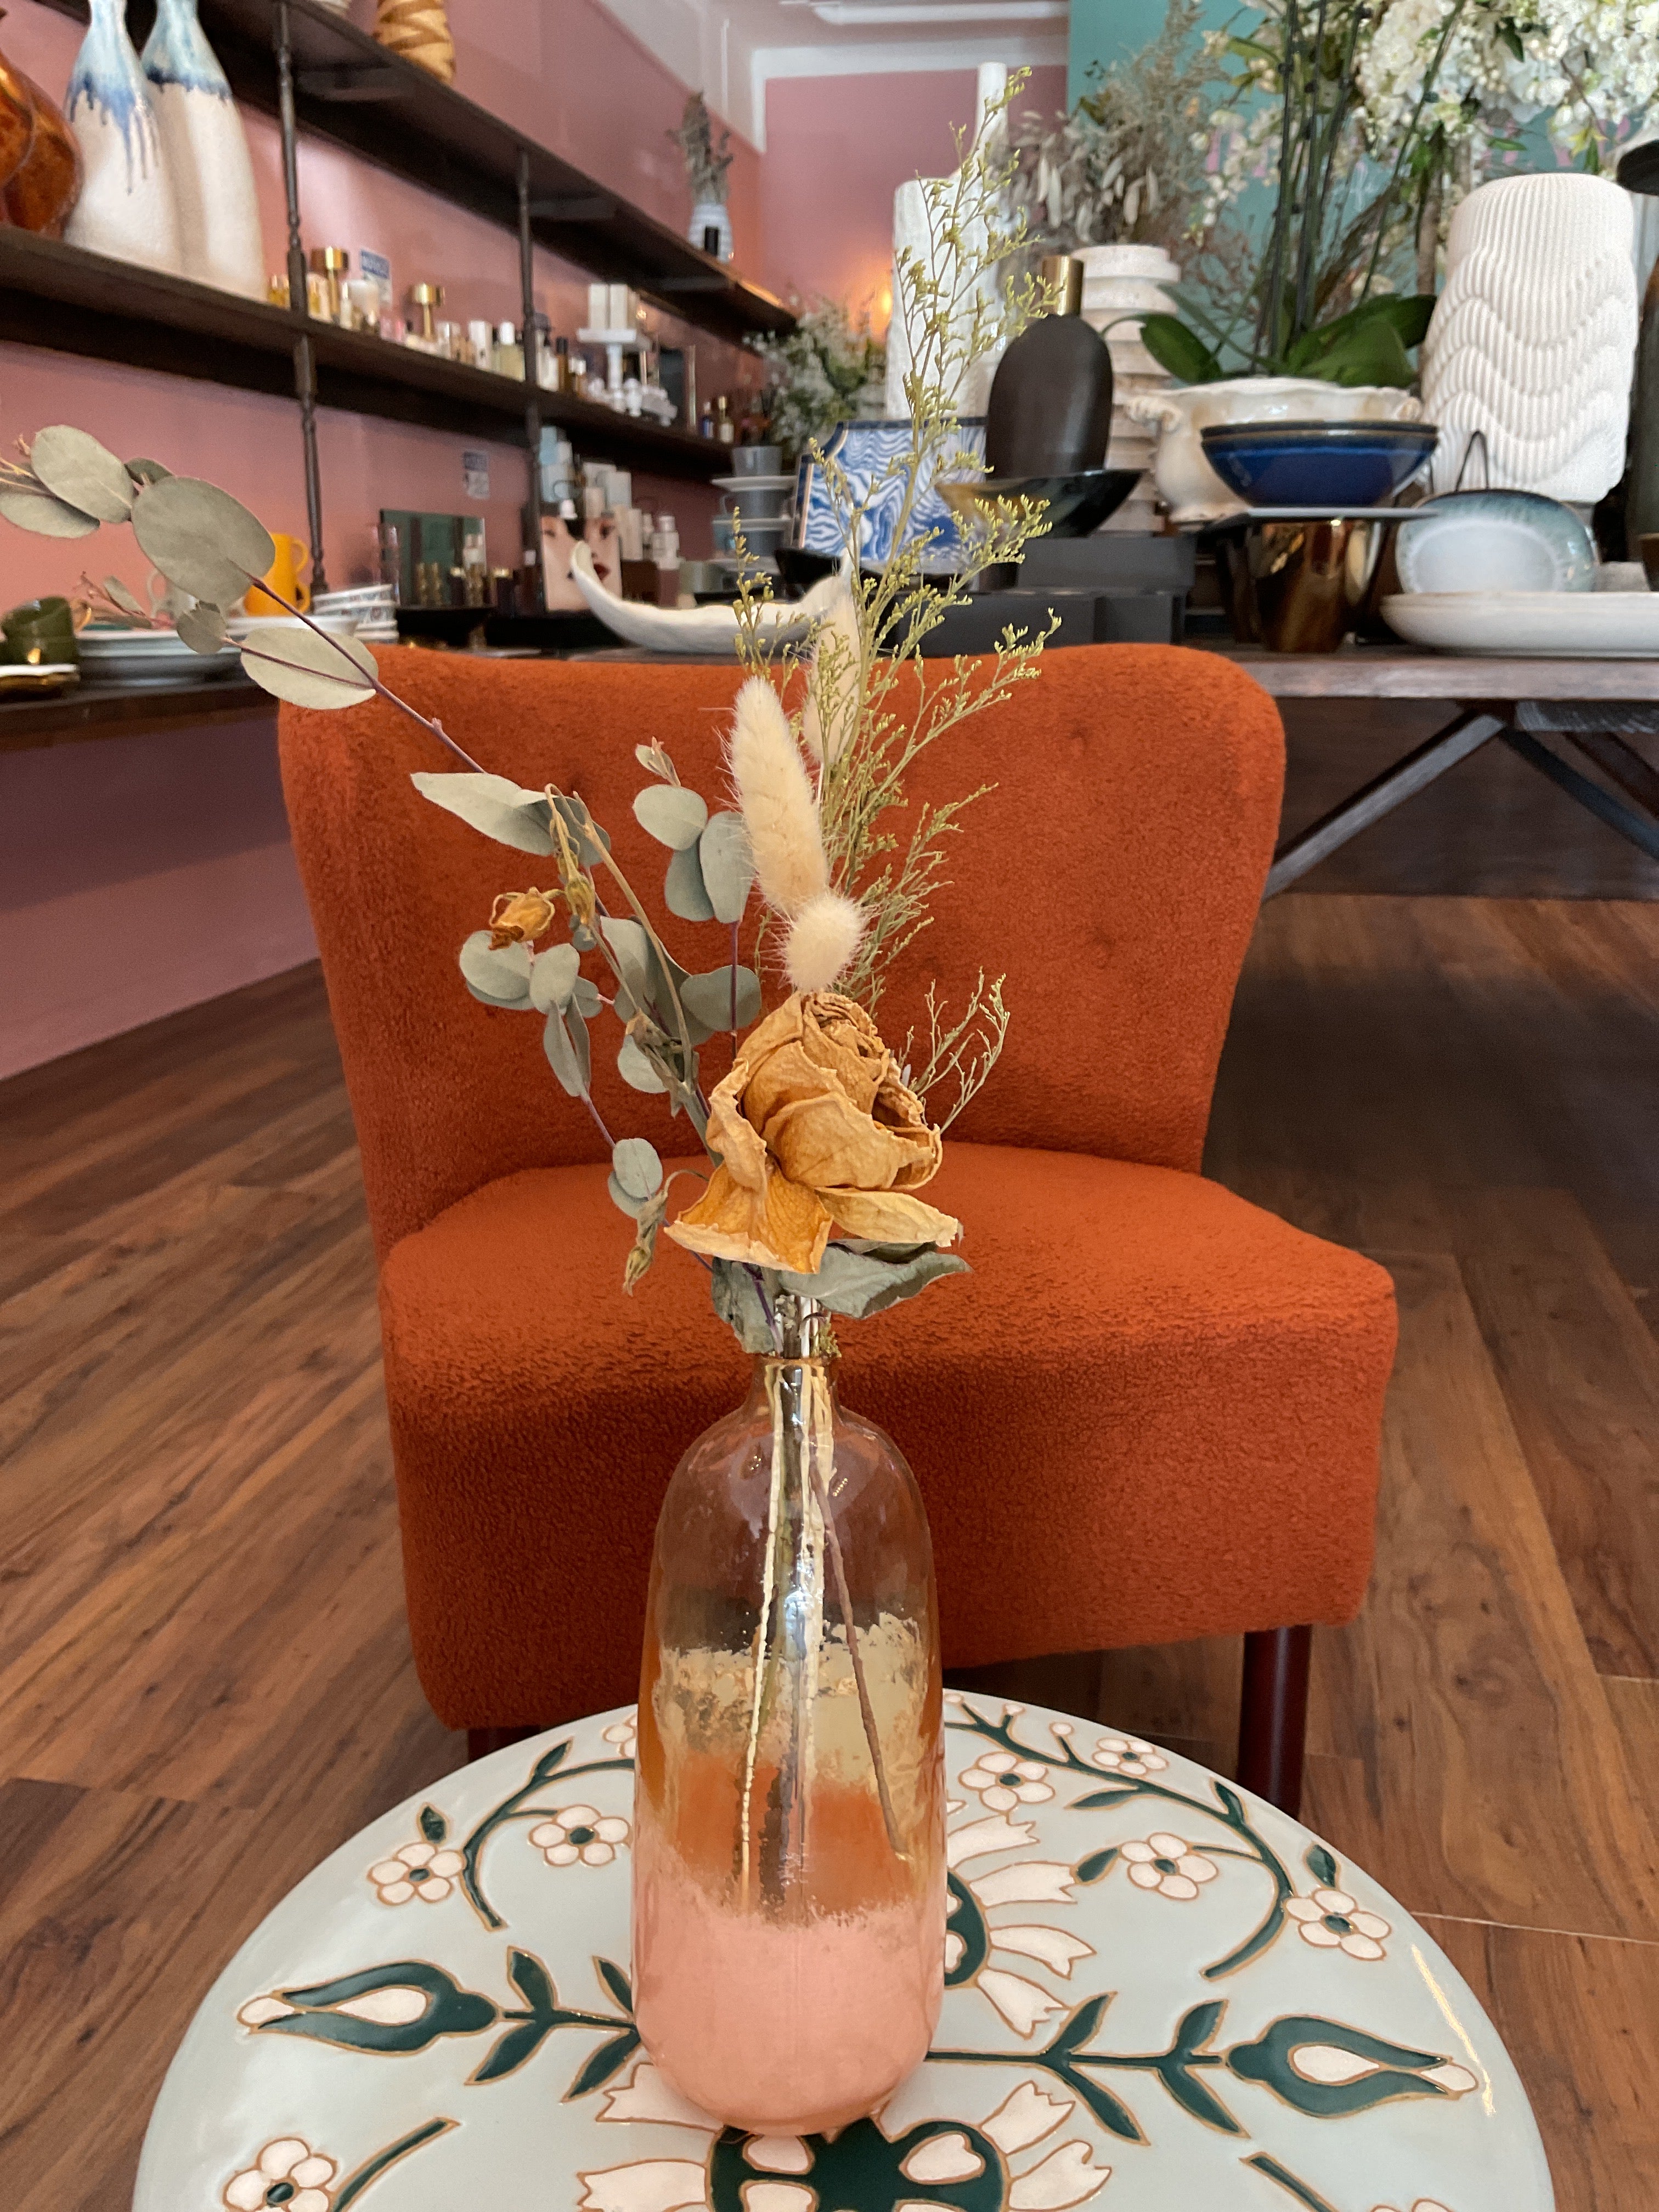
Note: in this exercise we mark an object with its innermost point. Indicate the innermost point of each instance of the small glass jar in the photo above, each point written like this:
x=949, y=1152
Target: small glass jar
x=789, y=1877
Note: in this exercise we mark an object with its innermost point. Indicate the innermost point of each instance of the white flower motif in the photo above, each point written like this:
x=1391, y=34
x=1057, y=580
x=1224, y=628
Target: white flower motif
x=1331, y=1921
x=1065, y=2177
x=1001, y=1780
x=288, y=2172
x=417, y=1870
x=1170, y=1865
x=621, y=1736
x=1127, y=1754
x=580, y=1832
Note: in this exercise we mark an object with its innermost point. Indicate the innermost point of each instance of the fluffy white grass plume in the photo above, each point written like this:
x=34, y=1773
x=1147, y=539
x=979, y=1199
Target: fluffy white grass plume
x=822, y=940
x=775, y=795
x=835, y=691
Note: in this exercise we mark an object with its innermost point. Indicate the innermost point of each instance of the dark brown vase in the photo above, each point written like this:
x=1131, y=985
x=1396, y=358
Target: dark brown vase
x=1050, y=410
x=42, y=188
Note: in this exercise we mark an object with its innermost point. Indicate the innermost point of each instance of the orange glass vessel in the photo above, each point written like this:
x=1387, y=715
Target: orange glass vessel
x=789, y=1882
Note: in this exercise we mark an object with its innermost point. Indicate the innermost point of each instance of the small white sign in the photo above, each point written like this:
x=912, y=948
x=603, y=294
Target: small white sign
x=475, y=475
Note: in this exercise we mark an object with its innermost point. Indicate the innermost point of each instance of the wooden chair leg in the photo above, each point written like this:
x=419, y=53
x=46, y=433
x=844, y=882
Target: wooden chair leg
x=1272, y=1715
x=480, y=1742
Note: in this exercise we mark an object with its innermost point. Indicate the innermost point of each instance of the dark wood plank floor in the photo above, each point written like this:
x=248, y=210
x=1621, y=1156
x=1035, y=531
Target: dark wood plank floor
x=204, y=1675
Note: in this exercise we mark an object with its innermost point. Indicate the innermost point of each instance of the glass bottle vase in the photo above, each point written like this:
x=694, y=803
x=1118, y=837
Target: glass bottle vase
x=789, y=1879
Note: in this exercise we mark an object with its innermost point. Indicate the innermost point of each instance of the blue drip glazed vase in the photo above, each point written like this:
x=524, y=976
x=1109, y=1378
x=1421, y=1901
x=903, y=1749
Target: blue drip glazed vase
x=127, y=209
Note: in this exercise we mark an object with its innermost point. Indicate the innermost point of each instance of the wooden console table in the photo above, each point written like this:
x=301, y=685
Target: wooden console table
x=1587, y=706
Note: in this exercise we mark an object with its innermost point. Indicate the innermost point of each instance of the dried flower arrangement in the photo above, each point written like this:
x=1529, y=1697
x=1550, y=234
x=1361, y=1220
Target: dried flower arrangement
x=818, y=1137
x=821, y=373
x=706, y=164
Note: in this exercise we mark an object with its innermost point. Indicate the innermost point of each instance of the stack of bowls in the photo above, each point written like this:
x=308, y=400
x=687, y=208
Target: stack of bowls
x=372, y=607
x=756, y=502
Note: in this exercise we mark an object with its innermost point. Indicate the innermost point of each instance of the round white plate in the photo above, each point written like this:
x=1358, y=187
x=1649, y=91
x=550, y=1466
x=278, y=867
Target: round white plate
x=1532, y=625
x=118, y=654
x=1495, y=541
x=338, y=624
x=756, y=483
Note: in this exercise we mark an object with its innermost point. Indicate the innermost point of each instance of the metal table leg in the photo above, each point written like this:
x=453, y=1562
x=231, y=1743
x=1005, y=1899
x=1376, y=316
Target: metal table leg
x=1639, y=828
x=1431, y=761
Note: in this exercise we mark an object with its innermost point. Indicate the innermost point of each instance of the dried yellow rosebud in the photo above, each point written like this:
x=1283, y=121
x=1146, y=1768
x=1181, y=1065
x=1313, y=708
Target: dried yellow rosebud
x=520, y=917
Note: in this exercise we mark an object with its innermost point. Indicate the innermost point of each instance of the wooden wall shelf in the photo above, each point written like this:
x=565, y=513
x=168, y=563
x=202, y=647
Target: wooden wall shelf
x=352, y=92
x=59, y=295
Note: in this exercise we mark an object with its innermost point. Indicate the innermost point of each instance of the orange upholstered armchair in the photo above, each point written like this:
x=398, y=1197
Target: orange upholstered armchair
x=1151, y=1411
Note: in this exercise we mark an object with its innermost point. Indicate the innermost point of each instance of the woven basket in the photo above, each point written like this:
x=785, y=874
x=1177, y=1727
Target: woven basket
x=419, y=31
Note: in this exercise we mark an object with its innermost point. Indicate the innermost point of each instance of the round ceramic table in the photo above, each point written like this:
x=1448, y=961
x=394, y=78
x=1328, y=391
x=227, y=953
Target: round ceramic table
x=1164, y=1995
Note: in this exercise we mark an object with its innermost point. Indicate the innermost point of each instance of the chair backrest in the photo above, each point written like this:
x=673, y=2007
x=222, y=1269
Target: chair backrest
x=1113, y=874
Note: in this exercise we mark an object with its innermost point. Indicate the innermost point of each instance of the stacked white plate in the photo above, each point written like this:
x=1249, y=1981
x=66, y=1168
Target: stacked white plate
x=121, y=655
x=242, y=626
x=373, y=607
x=1530, y=625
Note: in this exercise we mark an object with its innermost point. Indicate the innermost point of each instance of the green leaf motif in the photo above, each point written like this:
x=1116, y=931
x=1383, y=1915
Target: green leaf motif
x=708, y=999
x=1233, y=1801
x=1104, y=1801
x=1197, y=2026
x=856, y=1284
x=1193, y=2096
x=1096, y=1864
x=320, y=2012
x=1393, y=2069
x=494, y=804
x=617, y=1983
x=310, y=668
x=75, y=468
x=604, y=2062
x=501, y=977
x=434, y=1826
x=1321, y=1865
x=45, y=516
x=532, y=1982
x=550, y=1760
x=1080, y=2027
x=201, y=538
x=553, y=977
x=968, y=1924
x=727, y=866
x=673, y=815
x=684, y=892
x=515, y=2049
x=636, y=1166
x=1111, y=2112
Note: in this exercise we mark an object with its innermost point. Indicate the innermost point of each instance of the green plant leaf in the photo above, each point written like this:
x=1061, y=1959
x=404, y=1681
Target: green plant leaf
x=856, y=1285
x=1371, y=353
x=729, y=867
x=683, y=890
x=553, y=977
x=75, y=468
x=636, y=1071
x=636, y=1167
x=45, y=516
x=559, y=1047
x=499, y=977
x=1181, y=351
x=708, y=999
x=434, y=1826
x=591, y=842
x=655, y=760
x=496, y=805
x=309, y=668
x=203, y=628
x=201, y=538
x=604, y=2062
x=671, y=814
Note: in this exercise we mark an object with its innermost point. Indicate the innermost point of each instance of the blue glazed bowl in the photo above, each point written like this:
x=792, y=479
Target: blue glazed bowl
x=1330, y=465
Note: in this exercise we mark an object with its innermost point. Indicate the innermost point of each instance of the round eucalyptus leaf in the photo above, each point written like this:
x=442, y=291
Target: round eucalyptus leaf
x=123, y=598
x=673, y=815
x=636, y=1166
x=561, y=1054
x=636, y=1071
x=631, y=949
x=585, y=998
x=310, y=668
x=708, y=999
x=203, y=540
x=77, y=470
x=683, y=892
x=553, y=977
x=203, y=628
x=500, y=808
x=45, y=516
x=728, y=869
x=142, y=471
x=500, y=974
x=625, y=1202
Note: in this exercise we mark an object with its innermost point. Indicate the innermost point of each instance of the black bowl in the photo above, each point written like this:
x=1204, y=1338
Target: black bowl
x=1076, y=504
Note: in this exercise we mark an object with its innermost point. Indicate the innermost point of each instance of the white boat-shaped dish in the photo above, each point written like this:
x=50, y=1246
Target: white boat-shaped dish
x=1530, y=625
x=711, y=631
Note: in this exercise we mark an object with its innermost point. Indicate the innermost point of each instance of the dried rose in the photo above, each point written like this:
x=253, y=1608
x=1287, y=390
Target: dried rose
x=814, y=1128
x=519, y=918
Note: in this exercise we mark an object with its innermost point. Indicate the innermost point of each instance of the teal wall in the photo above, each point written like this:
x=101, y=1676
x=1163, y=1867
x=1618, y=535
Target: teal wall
x=1106, y=31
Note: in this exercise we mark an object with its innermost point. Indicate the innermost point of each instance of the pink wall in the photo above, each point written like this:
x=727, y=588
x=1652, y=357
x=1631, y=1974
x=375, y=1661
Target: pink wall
x=839, y=149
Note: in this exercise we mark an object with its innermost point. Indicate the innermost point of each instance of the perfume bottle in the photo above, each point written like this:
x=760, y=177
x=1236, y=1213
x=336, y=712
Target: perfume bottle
x=507, y=356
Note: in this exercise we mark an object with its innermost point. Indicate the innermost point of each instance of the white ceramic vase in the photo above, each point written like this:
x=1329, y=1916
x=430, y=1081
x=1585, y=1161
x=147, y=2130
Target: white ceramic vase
x=1121, y=285
x=127, y=207
x=206, y=151
x=711, y=215
x=913, y=234
x=1533, y=336
x=1188, y=486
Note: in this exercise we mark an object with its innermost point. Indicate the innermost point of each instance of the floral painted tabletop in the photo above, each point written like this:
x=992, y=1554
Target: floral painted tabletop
x=1162, y=1994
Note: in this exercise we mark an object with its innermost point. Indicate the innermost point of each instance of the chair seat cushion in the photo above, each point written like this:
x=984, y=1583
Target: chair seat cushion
x=1151, y=1413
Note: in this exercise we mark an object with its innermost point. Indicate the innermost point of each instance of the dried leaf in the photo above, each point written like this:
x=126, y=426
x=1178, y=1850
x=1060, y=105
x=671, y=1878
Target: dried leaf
x=310, y=668
x=496, y=805
x=683, y=893
x=728, y=869
x=655, y=761
x=553, y=977
x=123, y=598
x=559, y=1047
x=202, y=629
x=77, y=470
x=148, y=472
x=201, y=539
x=673, y=815
x=636, y=1164
x=858, y=1284
x=708, y=999
x=498, y=975
x=636, y=1071
x=45, y=516
x=643, y=1250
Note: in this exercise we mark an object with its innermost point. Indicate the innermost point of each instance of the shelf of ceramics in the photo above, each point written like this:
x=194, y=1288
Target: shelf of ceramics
x=58, y=296
x=352, y=91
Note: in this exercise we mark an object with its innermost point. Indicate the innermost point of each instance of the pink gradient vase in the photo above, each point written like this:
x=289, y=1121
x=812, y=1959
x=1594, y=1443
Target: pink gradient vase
x=789, y=1879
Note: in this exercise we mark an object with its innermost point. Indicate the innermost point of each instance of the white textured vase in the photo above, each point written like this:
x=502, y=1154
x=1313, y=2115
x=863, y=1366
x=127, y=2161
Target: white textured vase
x=205, y=149
x=127, y=207
x=1121, y=285
x=1534, y=335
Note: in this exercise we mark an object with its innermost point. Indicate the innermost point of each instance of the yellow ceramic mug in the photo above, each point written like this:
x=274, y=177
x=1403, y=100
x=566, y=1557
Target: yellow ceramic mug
x=292, y=555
